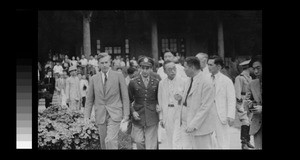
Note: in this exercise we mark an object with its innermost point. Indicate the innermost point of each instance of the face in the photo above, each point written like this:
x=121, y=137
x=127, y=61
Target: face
x=168, y=56
x=73, y=58
x=212, y=67
x=202, y=60
x=257, y=69
x=82, y=56
x=73, y=73
x=170, y=70
x=145, y=71
x=104, y=63
x=64, y=75
x=188, y=70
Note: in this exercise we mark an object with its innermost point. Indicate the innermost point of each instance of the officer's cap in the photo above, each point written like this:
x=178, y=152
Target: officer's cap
x=145, y=61
x=245, y=63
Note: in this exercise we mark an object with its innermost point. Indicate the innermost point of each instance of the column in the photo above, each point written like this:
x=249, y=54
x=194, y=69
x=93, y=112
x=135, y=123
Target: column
x=220, y=40
x=86, y=34
x=154, y=40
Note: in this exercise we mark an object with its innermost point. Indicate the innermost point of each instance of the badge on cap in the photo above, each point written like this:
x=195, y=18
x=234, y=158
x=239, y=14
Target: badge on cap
x=146, y=59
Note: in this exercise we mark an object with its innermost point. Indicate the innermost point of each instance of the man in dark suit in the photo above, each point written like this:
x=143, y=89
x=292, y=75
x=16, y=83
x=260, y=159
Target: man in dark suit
x=143, y=92
x=49, y=84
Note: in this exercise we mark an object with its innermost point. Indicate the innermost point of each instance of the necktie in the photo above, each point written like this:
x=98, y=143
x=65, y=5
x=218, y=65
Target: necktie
x=105, y=80
x=188, y=91
x=146, y=82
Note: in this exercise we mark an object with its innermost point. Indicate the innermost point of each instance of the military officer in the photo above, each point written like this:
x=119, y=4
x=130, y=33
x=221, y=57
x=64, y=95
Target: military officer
x=143, y=95
x=241, y=83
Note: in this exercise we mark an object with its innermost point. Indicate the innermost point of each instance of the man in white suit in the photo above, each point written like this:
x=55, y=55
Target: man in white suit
x=168, y=91
x=198, y=114
x=108, y=93
x=225, y=101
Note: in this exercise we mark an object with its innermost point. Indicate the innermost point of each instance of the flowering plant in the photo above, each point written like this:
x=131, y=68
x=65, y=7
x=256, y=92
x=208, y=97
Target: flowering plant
x=64, y=129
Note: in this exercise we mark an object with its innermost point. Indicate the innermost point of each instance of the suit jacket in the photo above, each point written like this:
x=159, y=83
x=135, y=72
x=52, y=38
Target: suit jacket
x=115, y=100
x=201, y=111
x=254, y=93
x=145, y=100
x=163, y=94
x=224, y=97
x=49, y=84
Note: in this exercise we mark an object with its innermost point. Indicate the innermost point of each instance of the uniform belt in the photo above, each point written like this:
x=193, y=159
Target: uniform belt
x=170, y=105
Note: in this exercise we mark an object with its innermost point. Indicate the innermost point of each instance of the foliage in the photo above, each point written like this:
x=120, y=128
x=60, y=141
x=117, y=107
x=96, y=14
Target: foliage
x=64, y=129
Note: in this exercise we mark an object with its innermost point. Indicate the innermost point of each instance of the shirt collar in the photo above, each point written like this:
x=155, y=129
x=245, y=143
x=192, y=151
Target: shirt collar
x=106, y=72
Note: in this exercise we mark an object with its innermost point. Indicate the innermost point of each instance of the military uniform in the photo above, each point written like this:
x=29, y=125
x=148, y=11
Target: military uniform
x=241, y=83
x=144, y=100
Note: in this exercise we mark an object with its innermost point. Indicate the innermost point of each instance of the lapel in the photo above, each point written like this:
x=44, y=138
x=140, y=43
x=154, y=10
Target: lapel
x=110, y=78
x=99, y=79
x=195, y=82
x=218, y=83
x=257, y=94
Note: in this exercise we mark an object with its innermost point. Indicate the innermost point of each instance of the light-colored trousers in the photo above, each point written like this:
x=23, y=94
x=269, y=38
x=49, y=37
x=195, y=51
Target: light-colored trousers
x=108, y=132
x=258, y=139
x=74, y=104
x=169, y=127
x=222, y=135
x=145, y=137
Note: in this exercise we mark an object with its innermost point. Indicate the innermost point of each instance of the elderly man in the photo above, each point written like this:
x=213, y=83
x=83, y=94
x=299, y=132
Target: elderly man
x=108, y=93
x=143, y=94
x=254, y=98
x=241, y=83
x=203, y=57
x=224, y=99
x=168, y=56
x=169, y=91
x=73, y=89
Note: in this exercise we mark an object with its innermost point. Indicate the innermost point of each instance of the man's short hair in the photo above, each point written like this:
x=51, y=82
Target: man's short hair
x=256, y=58
x=166, y=62
x=102, y=55
x=131, y=70
x=218, y=60
x=204, y=54
x=168, y=51
x=193, y=61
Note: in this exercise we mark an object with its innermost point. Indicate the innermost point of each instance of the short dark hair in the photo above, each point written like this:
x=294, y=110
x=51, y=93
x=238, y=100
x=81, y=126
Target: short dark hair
x=218, y=60
x=166, y=62
x=167, y=50
x=256, y=58
x=193, y=61
x=131, y=70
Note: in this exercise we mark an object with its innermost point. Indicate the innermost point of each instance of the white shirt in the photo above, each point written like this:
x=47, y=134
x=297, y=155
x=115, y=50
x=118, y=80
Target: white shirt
x=179, y=72
x=58, y=69
x=127, y=80
x=82, y=83
x=84, y=62
x=122, y=64
x=103, y=76
x=74, y=63
x=171, y=85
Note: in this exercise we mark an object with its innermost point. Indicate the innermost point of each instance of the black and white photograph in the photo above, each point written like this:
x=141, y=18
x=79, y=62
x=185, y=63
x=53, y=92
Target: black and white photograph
x=149, y=80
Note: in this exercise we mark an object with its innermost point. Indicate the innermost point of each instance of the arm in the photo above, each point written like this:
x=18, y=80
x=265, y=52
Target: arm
x=159, y=98
x=67, y=89
x=90, y=98
x=130, y=94
x=238, y=88
x=125, y=97
x=231, y=100
x=207, y=102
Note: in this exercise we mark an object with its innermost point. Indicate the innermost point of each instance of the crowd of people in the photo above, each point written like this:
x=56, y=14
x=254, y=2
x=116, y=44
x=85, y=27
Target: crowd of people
x=195, y=98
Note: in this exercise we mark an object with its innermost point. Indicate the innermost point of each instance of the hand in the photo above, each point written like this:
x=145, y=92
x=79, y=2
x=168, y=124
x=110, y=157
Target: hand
x=257, y=109
x=86, y=120
x=125, y=118
x=158, y=109
x=190, y=130
x=178, y=97
x=136, y=116
x=161, y=123
x=230, y=121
